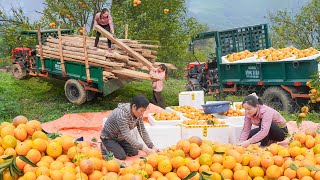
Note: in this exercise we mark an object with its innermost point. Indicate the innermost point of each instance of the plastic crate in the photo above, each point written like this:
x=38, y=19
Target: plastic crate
x=164, y=122
x=213, y=133
x=218, y=107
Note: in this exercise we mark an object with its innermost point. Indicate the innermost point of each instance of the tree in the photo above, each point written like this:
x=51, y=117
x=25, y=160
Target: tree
x=148, y=21
x=301, y=30
x=12, y=22
x=72, y=13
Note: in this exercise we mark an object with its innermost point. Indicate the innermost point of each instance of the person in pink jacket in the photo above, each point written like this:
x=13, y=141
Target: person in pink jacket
x=157, y=75
x=271, y=125
x=103, y=19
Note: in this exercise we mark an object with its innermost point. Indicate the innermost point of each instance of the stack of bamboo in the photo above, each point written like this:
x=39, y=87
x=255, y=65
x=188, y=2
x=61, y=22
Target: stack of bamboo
x=119, y=63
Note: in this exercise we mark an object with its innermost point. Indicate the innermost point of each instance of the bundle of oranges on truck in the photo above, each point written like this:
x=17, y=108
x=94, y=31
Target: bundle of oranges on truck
x=239, y=56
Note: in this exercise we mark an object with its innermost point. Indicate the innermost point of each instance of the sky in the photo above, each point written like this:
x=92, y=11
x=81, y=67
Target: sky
x=217, y=14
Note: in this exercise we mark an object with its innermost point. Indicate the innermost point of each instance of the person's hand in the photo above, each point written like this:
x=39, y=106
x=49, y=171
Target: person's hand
x=148, y=150
x=244, y=143
x=156, y=149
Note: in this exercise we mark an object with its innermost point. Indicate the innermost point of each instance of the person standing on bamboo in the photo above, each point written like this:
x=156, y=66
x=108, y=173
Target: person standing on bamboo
x=104, y=19
x=157, y=76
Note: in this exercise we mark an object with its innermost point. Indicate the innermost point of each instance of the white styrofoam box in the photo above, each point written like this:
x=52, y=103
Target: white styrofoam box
x=170, y=110
x=163, y=122
x=191, y=98
x=233, y=120
x=159, y=135
x=219, y=134
x=235, y=130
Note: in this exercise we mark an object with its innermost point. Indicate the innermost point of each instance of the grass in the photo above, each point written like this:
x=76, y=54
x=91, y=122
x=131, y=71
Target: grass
x=44, y=99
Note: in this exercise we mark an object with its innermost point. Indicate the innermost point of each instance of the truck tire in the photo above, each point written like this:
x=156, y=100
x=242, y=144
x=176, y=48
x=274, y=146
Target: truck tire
x=75, y=92
x=18, y=72
x=279, y=99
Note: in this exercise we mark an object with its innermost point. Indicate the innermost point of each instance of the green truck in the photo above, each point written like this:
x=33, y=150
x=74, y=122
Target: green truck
x=282, y=84
x=77, y=89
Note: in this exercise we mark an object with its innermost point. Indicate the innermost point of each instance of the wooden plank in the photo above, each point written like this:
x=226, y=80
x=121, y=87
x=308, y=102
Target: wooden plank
x=63, y=69
x=131, y=74
x=40, y=48
x=170, y=66
x=123, y=46
x=126, y=31
x=86, y=59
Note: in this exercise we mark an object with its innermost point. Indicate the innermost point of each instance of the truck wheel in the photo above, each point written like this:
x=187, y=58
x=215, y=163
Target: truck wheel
x=75, y=92
x=279, y=99
x=18, y=72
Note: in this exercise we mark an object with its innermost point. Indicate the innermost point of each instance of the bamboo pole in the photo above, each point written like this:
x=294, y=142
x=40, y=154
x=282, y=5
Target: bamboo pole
x=63, y=69
x=86, y=60
x=40, y=48
x=126, y=31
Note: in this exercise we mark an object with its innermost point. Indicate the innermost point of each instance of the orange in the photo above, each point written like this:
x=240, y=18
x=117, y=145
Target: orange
x=216, y=167
x=183, y=172
x=97, y=163
x=95, y=175
x=229, y=162
x=195, y=139
x=56, y=165
x=266, y=161
x=22, y=148
x=33, y=126
x=303, y=171
x=29, y=168
x=204, y=168
x=42, y=171
x=95, y=153
x=156, y=174
x=217, y=158
x=113, y=166
x=255, y=161
x=82, y=176
x=56, y=175
x=20, y=134
x=240, y=175
x=30, y=176
x=19, y=120
x=34, y=155
x=10, y=151
x=193, y=165
x=290, y=173
x=179, y=152
x=256, y=172
x=39, y=144
x=20, y=163
x=177, y=162
x=8, y=130
x=227, y=174
x=195, y=152
x=278, y=160
x=54, y=149
x=9, y=141
x=205, y=159
x=67, y=142
x=164, y=166
x=48, y=159
x=63, y=158
x=273, y=172
x=39, y=134
x=43, y=177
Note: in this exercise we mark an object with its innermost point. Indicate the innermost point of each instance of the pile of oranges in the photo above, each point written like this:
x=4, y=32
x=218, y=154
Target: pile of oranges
x=166, y=116
x=64, y=158
x=59, y=158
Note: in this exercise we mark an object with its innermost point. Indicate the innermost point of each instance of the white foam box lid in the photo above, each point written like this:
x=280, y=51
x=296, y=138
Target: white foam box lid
x=191, y=98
